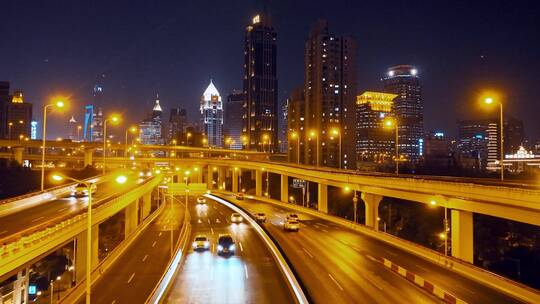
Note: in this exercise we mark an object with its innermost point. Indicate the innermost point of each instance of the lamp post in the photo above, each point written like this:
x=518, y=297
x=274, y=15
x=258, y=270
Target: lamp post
x=59, y=104
x=446, y=227
x=10, y=125
x=120, y=179
x=389, y=123
x=314, y=134
x=114, y=119
x=131, y=130
x=79, y=133
x=336, y=132
x=188, y=135
x=355, y=206
x=296, y=136
x=490, y=100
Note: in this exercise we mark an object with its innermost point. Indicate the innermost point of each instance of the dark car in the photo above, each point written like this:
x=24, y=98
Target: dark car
x=225, y=245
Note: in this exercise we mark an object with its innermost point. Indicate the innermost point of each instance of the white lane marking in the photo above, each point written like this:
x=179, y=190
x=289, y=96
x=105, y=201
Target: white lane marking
x=61, y=210
x=211, y=229
x=37, y=219
x=324, y=230
x=226, y=220
x=221, y=213
x=154, y=244
x=335, y=282
x=245, y=271
x=145, y=257
x=131, y=278
x=160, y=233
x=307, y=252
x=423, y=268
x=373, y=282
x=113, y=302
x=218, y=221
x=215, y=207
x=241, y=248
x=5, y=231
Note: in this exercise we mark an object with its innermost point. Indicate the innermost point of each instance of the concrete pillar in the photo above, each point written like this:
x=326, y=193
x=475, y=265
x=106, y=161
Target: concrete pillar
x=88, y=155
x=371, y=202
x=146, y=205
x=80, y=253
x=221, y=177
x=131, y=212
x=209, y=177
x=284, y=188
x=322, y=193
x=20, y=287
x=235, y=173
x=199, y=176
x=462, y=235
x=258, y=182
x=18, y=154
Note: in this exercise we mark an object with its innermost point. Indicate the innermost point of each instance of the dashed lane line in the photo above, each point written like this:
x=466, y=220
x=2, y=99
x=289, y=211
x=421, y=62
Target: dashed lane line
x=154, y=244
x=145, y=257
x=335, y=282
x=307, y=252
x=37, y=219
x=131, y=278
x=246, y=271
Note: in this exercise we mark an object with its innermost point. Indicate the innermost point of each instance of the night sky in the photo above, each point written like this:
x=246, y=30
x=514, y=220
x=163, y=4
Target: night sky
x=174, y=47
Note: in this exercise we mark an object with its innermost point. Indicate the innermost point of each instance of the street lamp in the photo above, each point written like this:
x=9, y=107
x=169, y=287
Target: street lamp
x=120, y=179
x=58, y=104
x=79, y=133
x=490, y=101
x=390, y=123
x=114, y=119
x=443, y=235
x=315, y=134
x=132, y=130
x=266, y=140
x=336, y=132
x=188, y=135
x=295, y=135
x=58, y=278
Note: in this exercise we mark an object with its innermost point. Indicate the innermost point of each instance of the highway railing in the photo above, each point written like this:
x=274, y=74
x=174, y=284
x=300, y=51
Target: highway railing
x=21, y=248
x=181, y=247
x=495, y=281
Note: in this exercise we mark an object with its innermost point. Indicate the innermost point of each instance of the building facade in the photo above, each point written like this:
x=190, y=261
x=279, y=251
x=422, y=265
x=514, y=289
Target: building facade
x=296, y=132
x=177, y=124
x=15, y=114
x=330, y=90
x=212, y=116
x=403, y=80
x=260, y=118
x=152, y=127
x=233, y=119
x=374, y=142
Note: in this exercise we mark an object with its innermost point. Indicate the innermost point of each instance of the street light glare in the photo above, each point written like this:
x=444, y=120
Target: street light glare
x=488, y=100
x=57, y=177
x=60, y=104
x=121, y=179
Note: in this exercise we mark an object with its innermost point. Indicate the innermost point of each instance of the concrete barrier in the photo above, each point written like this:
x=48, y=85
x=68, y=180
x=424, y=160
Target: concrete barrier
x=512, y=288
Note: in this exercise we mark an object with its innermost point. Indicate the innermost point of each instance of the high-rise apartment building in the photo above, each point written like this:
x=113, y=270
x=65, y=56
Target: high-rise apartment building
x=177, y=123
x=97, y=118
x=283, y=139
x=403, y=80
x=374, y=143
x=212, y=116
x=15, y=114
x=151, y=129
x=296, y=132
x=234, y=110
x=473, y=141
x=330, y=88
x=260, y=119
x=72, y=129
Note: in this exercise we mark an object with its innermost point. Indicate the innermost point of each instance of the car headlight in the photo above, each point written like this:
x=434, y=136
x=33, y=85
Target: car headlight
x=141, y=174
x=194, y=244
x=231, y=248
x=219, y=247
x=206, y=244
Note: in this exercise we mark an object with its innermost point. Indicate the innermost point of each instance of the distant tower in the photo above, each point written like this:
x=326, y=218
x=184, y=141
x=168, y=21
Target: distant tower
x=233, y=119
x=212, y=115
x=72, y=129
x=151, y=128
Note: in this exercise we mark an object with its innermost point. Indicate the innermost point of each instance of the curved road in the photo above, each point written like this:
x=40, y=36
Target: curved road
x=249, y=276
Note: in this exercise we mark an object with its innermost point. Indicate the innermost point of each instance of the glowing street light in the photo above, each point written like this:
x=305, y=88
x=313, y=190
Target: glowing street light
x=434, y=203
x=58, y=104
x=133, y=130
x=295, y=135
x=390, y=123
x=114, y=119
x=336, y=132
x=315, y=134
x=489, y=101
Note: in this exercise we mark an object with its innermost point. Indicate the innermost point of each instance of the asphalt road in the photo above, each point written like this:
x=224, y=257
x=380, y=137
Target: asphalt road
x=55, y=208
x=134, y=275
x=336, y=263
x=249, y=276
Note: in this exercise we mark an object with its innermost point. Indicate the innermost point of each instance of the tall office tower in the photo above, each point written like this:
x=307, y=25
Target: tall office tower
x=15, y=115
x=403, y=80
x=296, y=126
x=330, y=88
x=72, y=128
x=177, y=123
x=514, y=135
x=232, y=126
x=260, y=85
x=88, y=123
x=151, y=128
x=212, y=116
x=493, y=148
x=473, y=140
x=97, y=125
x=374, y=143
x=283, y=140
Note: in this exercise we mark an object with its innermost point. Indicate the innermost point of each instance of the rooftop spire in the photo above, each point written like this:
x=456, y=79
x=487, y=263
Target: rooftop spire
x=157, y=107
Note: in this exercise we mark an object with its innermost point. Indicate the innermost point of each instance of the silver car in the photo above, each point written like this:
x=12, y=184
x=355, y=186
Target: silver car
x=291, y=225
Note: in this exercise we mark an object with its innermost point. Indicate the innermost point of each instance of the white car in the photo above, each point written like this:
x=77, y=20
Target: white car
x=201, y=242
x=260, y=217
x=291, y=225
x=236, y=218
x=201, y=200
x=292, y=216
x=82, y=190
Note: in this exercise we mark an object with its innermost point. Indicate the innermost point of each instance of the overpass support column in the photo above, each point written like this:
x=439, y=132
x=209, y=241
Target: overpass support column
x=371, y=202
x=284, y=188
x=221, y=178
x=80, y=253
x=209, y=177
x=199, y=176
x=88, y=155
x=18, y=154
x=462, y=235
x=258, y=182
x=322, y=196
x=146, y=205
x=235, y=172
x=132, y=214
x=20, y=286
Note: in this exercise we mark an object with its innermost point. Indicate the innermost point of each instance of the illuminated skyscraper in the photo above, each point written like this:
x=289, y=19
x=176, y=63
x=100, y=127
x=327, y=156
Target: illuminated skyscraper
x=374, y=143
x=330, y=90
x=88, y=122
x=177, y=123
x=72, y=128
x=403, y=80
x=15, y=114
x=212, y=116
x=151, y=128
x=260, y=117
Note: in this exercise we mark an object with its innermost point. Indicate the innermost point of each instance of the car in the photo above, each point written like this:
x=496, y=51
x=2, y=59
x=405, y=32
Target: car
x=240, y=196
x=293, y=216
x=236, y=218
x=260, y=217
x=82, y=190
x=201, y=242
x=291, y=225
x=146, y=173
x=201, y=200
x=225, y=244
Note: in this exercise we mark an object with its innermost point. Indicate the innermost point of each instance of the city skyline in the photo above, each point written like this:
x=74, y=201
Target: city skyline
x=448, y=84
